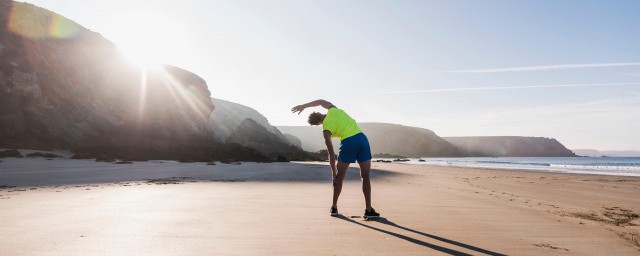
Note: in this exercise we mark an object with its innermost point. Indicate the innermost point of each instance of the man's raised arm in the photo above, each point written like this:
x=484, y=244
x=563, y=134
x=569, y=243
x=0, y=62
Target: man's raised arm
x=323, y=103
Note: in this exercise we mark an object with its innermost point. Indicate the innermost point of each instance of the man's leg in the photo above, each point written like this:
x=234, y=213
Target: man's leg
x=366, y=182
x=337, y=182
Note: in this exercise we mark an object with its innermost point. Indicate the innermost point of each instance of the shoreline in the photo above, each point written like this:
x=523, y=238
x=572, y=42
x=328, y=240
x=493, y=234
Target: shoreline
x=545, y=166
x=536, y=170
x=253, y=167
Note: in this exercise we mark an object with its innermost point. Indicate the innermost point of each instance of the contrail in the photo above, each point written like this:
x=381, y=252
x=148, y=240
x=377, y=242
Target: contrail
x=549, y=67
x=505, y=87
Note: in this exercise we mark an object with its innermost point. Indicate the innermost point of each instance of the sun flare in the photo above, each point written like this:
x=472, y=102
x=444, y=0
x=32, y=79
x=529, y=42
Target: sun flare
x=148, y=40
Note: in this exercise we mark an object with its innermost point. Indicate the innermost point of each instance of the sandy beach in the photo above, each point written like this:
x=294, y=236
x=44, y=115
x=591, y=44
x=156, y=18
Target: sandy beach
x=80, y=207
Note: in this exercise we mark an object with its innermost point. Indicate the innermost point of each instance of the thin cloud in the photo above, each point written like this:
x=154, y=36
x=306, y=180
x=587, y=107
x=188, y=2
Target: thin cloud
x=438, y=90
x=548, y=67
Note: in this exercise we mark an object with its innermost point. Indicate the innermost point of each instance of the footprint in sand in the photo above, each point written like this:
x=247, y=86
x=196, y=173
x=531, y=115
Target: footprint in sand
x=549, y=246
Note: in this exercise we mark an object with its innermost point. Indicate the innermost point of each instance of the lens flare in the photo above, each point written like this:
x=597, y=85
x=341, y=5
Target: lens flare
x=62, y=27
x=33, y=22
x=185, y=97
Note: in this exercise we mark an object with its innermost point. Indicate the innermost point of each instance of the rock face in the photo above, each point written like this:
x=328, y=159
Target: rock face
x=310, y=137
x=253, y=135
x=10, y=153
x=242, y=125
x=293, y=140
x=384, y=138
x=407, y=141
x=510, y=146
x=228, y=115
x=63, y=86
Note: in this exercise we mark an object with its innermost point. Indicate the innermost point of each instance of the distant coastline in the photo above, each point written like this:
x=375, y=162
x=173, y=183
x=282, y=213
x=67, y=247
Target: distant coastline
x=607, y=153
x=400, y=140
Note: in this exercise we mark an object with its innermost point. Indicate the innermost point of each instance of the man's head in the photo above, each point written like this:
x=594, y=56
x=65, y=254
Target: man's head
x=316, y=118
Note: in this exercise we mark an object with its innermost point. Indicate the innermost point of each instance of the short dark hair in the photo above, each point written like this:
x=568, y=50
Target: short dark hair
x=315, y=118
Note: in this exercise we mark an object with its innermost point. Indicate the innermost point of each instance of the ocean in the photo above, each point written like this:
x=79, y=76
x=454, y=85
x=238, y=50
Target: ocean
x=624, y=166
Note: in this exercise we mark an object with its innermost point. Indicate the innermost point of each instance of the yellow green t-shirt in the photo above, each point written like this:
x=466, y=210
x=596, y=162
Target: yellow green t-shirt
x=340, y=124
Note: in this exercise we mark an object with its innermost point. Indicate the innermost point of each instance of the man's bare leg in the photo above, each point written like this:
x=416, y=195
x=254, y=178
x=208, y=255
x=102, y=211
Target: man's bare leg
x=337, y=182
x=366, y=182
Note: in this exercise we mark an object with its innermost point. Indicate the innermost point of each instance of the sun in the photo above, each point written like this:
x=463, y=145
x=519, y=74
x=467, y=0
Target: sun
x=148, y=39
x=138, y=54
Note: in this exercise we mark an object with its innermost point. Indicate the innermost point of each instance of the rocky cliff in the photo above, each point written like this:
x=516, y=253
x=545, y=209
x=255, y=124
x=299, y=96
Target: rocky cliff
x=384, y=138
x=63, y=86
x=310, y=136
x=510, y=146
x=293, y=140
x=407, y=141
x=253, y=135
x=228, y=115
x=236, y=123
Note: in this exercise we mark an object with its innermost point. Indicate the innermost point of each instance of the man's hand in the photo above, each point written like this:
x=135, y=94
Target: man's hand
x=298, y=109
x=334, y=168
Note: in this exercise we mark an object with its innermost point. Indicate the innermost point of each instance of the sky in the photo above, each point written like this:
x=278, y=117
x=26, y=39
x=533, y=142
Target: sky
x=568, y=70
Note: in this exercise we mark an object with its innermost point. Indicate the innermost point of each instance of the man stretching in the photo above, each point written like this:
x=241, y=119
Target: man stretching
x=354, y=146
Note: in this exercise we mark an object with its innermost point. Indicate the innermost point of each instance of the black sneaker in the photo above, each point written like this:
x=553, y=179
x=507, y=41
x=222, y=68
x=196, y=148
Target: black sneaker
x=334, y=211
x=371, y=214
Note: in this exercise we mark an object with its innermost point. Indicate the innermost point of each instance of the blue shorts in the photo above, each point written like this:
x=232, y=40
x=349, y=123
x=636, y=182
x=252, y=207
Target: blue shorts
x=355, y=148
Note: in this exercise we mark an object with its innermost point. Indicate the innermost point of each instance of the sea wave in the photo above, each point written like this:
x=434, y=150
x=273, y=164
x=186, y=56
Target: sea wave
x=586, y=165
x=501, y=162
x=598, y=167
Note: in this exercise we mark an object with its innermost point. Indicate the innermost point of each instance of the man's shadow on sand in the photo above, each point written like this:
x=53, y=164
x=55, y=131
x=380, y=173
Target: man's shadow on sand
x=420, y=242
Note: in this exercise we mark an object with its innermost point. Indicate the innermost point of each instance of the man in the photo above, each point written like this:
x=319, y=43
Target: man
x=354, y=146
